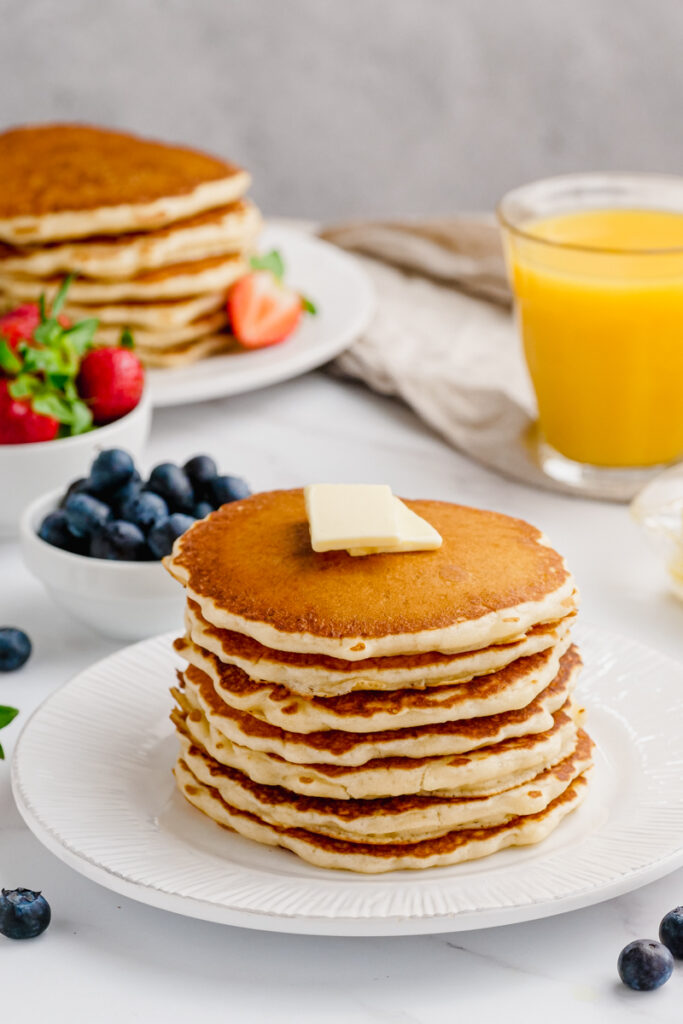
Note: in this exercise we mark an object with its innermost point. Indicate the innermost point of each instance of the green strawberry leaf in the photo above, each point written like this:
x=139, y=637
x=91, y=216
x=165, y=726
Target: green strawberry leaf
x=10, y=362
x=81, y=335
x=60, y=297
x=41, y=307
x=126, y=340
x=7, y=715
x=42, y=360
x=25, y=386
x=271, y=261
x=308, y=306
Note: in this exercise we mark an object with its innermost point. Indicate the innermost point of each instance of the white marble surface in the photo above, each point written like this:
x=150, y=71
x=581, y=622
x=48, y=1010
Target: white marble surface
x=106, y=959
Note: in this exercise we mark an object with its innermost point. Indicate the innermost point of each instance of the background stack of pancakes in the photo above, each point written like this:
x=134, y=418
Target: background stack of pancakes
x=155, y=233
x=319, y=712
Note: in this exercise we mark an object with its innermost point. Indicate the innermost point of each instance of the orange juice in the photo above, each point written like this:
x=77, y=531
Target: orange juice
x=599, y=296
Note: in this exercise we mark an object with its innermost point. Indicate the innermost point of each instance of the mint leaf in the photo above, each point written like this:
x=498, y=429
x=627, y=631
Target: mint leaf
x=53, y=405
x=48, y=332
x=81, y=421
x=7, y=715
x=126, y=340
x=60, y=297
x=25, y=386
x=81, y=335
x=9, y=360
x=308, y=306
x=271, y=261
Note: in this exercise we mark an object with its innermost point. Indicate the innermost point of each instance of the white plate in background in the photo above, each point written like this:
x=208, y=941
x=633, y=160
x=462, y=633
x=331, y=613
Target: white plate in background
x=343, y=295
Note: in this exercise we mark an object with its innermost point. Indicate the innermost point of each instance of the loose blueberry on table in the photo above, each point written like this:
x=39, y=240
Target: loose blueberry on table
x=671, y=932
x=645, y=964
x=114, y=514
x=15, y=648
x=24, y=914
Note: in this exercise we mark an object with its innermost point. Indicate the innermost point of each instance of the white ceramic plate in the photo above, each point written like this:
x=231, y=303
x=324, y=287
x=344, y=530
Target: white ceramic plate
x=344, y=298
x=92, y=778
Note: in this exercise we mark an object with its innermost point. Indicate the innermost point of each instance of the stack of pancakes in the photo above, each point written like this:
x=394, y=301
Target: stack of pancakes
x=390, y=711
x=155, y=233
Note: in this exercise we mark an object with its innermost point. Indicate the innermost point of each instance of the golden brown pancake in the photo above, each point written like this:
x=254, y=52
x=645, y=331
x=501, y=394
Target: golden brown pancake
x=324, y=676
x=252, y=569
x=334, y=746
x=73, y=180
x=325, y=851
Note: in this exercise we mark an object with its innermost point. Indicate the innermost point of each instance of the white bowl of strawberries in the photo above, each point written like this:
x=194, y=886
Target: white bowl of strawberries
x=62, y=399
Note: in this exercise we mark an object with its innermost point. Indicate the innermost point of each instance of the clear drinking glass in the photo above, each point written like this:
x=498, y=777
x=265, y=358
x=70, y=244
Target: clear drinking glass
x=596, y=266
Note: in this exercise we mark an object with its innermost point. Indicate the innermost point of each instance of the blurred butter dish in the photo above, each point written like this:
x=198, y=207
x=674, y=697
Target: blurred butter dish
x=658, y=509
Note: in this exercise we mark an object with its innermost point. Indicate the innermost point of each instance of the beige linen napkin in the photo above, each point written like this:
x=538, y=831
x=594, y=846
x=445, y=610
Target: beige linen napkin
x=443, y=338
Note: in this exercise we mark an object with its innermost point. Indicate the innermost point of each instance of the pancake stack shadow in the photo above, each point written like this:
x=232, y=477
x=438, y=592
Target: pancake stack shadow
x=398, y=754
x=155, y=235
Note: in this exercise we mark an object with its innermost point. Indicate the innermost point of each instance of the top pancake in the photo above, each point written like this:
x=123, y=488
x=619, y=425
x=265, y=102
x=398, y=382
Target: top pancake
x=250, y=567
x=71, y=181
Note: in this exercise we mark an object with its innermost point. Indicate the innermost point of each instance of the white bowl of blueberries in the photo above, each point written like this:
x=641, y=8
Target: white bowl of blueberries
x=97, y=547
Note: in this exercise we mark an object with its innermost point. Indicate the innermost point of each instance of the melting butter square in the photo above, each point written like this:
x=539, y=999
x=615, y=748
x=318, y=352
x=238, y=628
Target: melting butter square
x=415, y=534
x=343, y=516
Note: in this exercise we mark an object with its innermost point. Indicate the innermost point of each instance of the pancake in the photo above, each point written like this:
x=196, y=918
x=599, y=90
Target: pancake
x=478, y=773
x=197, y=277
x=153, y=316
x=320, y=675
x=163, y=340
x=231, y=228
x=189, y=352
x=492, y=579
x=509, y=689
x=333, y=746
x=72, y=181
x=327, y=852
x=397, y=819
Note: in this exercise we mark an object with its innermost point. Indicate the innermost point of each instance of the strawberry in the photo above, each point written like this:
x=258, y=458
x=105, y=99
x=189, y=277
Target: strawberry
x=262, y=310
x=20, y=323
x=111, y=381
x=19, y=424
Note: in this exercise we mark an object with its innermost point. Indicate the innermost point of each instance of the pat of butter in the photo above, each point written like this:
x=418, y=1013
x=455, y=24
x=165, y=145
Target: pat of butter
x=343, y=516
x=364, y=519
x=415, y=534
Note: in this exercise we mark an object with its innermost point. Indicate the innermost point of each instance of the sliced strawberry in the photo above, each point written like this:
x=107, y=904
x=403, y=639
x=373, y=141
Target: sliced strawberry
x=20, y=323
x=19, y=424
x=262, y=310
x=111, y=381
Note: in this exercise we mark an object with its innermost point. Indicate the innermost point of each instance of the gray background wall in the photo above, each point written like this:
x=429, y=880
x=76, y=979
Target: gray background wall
x=353, y=107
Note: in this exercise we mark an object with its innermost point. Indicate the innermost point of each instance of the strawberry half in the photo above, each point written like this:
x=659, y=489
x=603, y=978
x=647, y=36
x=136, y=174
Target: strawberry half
x=111, y=381
x=262, y=310
x=19, y=424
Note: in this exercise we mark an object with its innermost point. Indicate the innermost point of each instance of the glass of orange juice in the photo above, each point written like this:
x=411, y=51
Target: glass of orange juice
x=596, y=265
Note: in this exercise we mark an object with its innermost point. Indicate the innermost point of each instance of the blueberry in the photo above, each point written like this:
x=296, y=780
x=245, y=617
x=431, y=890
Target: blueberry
x=54, y=530
x=119, y=541
x=223, y=489
x=23, y=913
x=111, y=469
x=671, y=932
x=145, y=509
x=162, y=536
x=125, y=493
x=202, y=509
x=644, y=964
x=85, y=514
x=200, y=470
x=173, y=484
x=15, y=648
x=79, y=486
